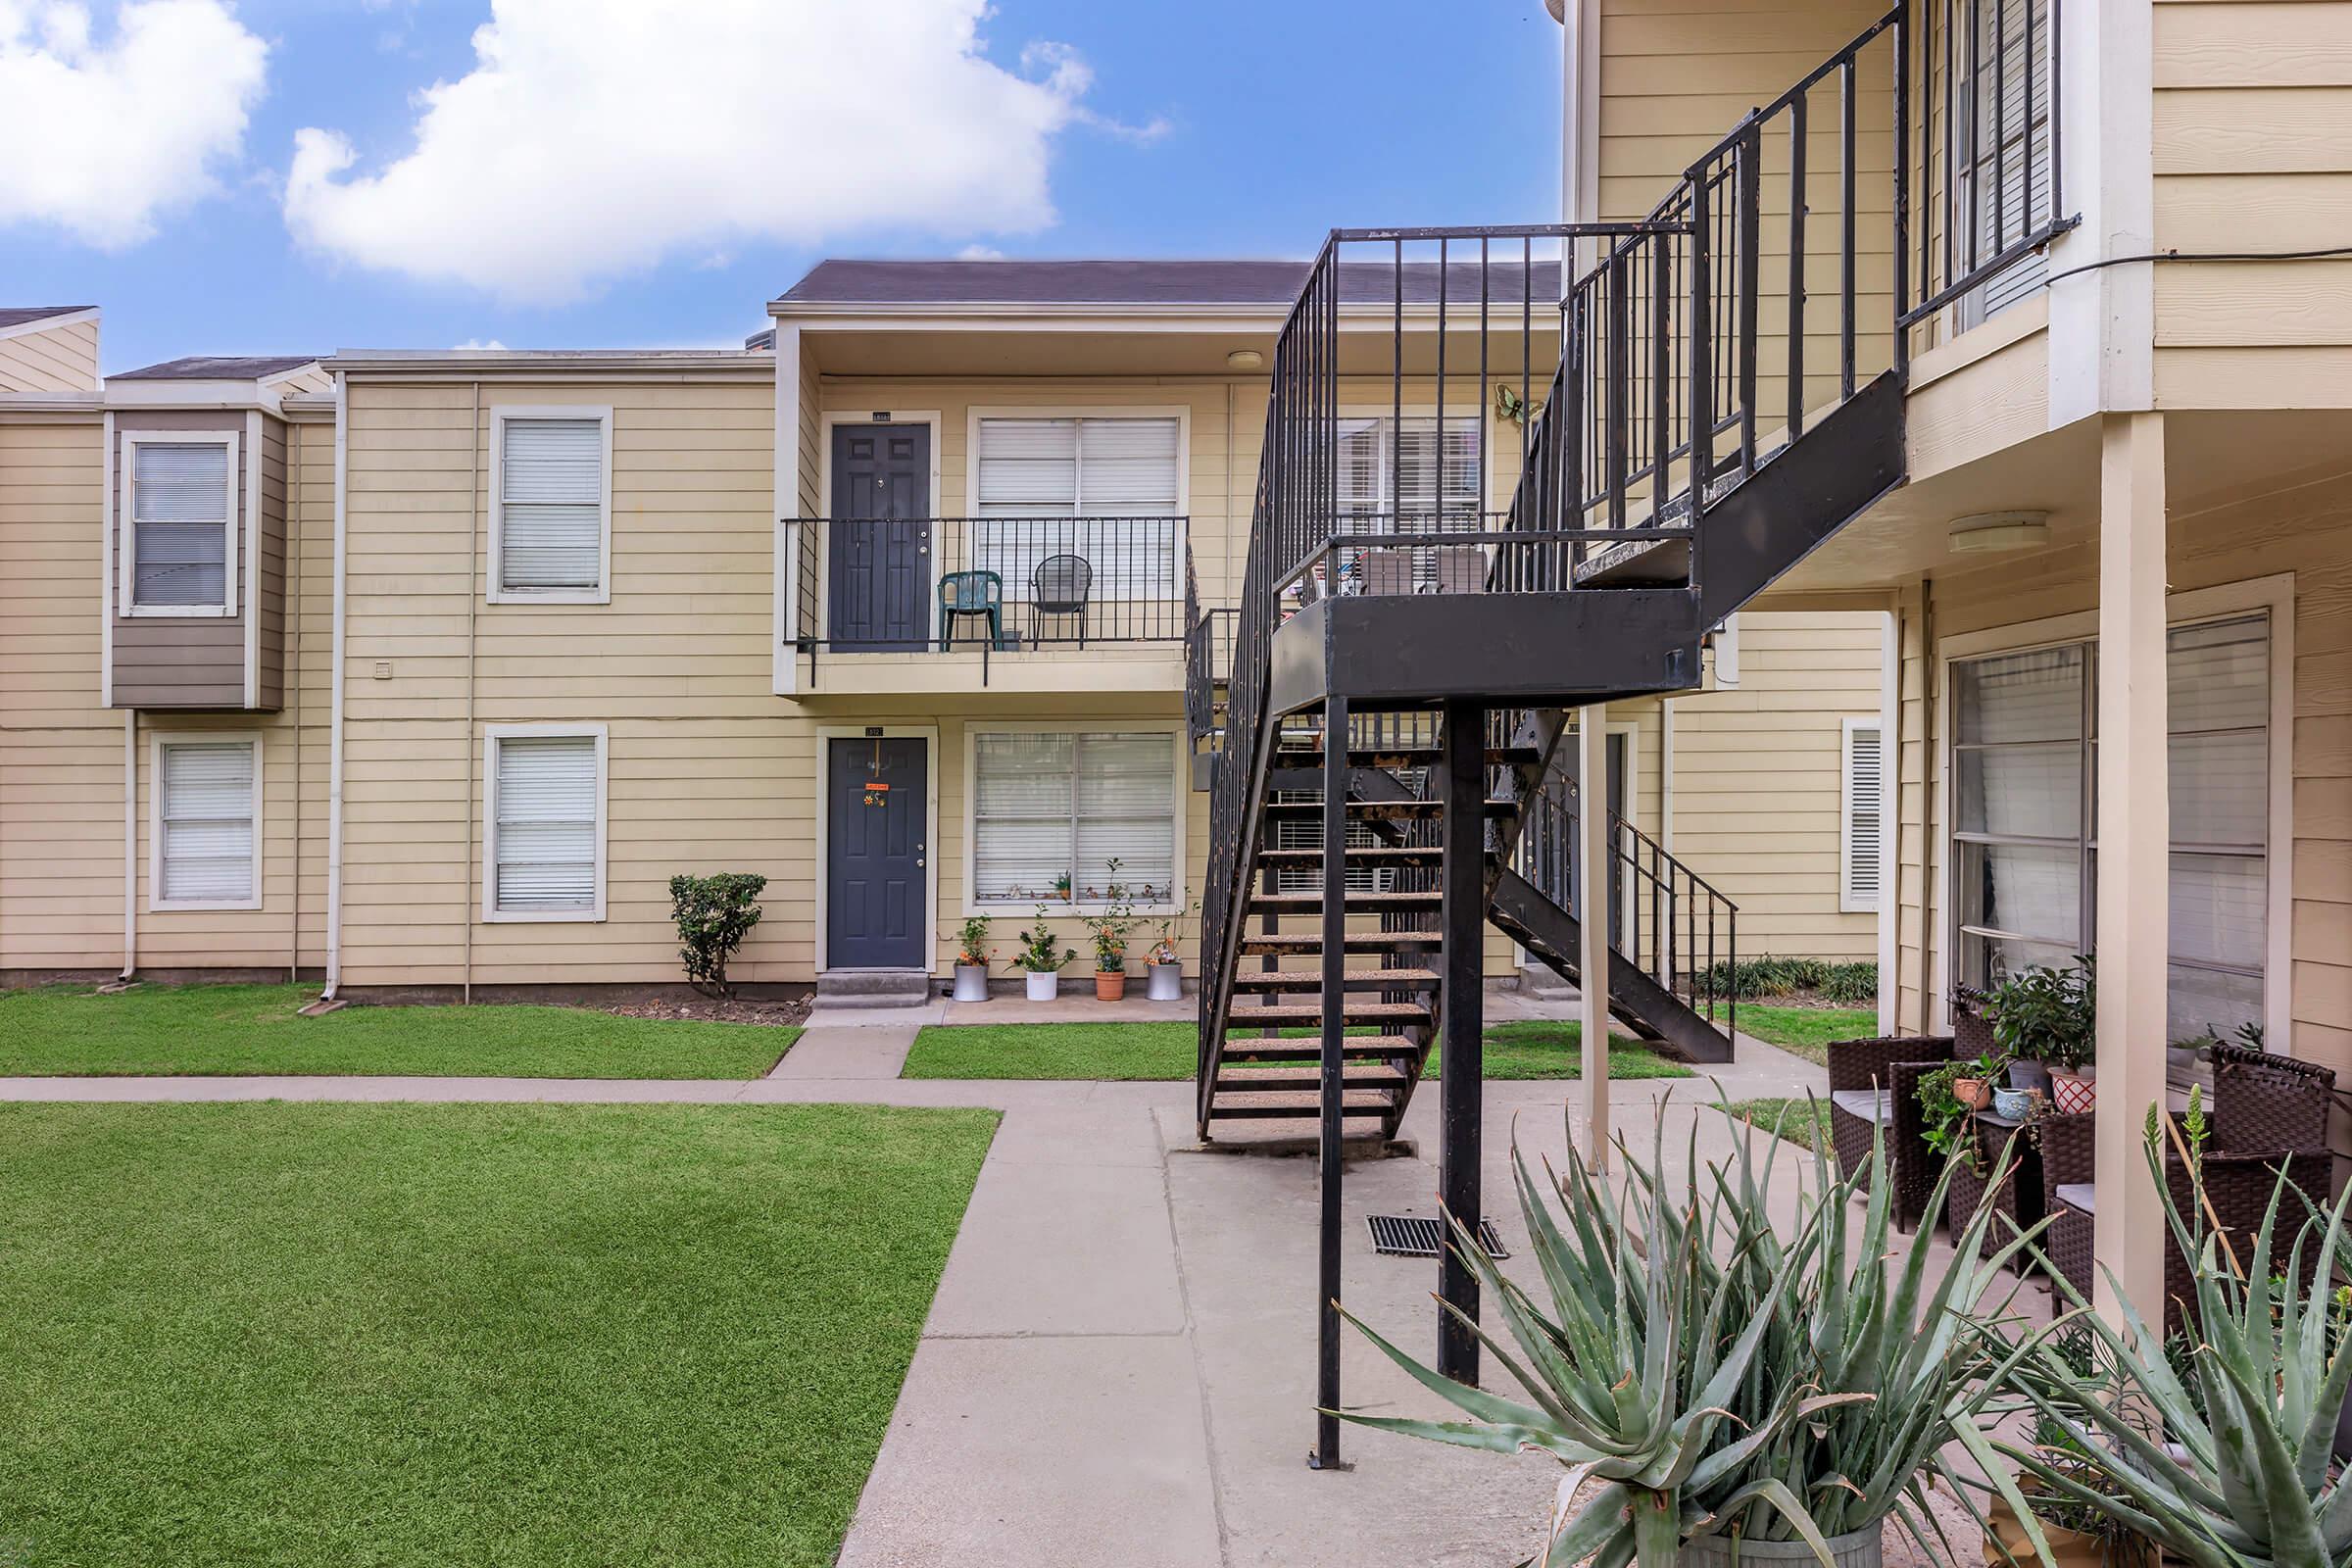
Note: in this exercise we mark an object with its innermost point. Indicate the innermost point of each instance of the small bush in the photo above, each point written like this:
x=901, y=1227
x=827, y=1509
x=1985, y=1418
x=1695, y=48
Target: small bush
x=713, y=913
x=1767, y=978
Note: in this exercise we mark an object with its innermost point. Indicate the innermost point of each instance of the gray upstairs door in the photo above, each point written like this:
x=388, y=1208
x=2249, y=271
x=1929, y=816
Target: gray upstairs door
x=876, y=889
x=880, y=541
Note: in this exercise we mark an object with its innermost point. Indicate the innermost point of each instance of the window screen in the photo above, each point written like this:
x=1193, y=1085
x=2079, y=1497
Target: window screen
x=205, y=820
x=1106, y=490
x=180, y=511
x=1052, y=811
x=552, y=506
x=546, y=829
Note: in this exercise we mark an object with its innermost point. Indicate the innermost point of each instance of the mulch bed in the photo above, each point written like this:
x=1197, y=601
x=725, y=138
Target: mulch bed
x=770, y=1010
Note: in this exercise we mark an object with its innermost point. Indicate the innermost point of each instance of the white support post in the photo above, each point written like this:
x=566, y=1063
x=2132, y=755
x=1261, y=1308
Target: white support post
x=2133, y=831
x=1592, y=858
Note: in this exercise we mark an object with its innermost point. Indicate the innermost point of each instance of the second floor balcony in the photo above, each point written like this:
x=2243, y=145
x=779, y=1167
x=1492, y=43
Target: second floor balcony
x=884, y=604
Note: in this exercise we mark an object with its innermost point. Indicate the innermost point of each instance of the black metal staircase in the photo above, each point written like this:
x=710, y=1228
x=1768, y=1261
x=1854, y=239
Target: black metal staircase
x=1701, y=398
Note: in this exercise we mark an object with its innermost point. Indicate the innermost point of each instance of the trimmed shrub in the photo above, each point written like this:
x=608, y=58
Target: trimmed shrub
x=1767, y=978
x=713, y=914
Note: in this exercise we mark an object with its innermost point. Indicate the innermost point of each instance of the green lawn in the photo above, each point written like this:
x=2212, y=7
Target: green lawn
x=1804, y=1123
x=1806, y=1031
x=1168, y=1051
x=337, y=1335
x=255, y=1029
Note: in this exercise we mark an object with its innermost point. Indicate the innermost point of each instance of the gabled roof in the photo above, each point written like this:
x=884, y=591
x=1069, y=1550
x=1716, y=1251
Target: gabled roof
x=214, y=368
x=1117, y=285
x=20, y=315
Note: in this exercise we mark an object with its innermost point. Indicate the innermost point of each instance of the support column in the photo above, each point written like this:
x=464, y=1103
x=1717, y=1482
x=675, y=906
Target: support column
x=1463, y=1081
x=1331, y=1081
x=2133, y=831
x=1591, y=856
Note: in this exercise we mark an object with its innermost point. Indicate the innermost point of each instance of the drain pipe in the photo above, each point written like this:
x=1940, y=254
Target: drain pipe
x=290, y=651
x=130, y=841
x=473, y=527
x=334, y=732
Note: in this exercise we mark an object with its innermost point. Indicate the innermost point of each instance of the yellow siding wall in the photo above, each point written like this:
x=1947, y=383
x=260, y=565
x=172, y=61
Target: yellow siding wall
x=2306, y=530
x=57, y=359
x=2253, y=144
x=61, y=753
x=1759, y=774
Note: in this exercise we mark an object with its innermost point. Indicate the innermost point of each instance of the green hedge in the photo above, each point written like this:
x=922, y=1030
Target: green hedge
x=1761, y=979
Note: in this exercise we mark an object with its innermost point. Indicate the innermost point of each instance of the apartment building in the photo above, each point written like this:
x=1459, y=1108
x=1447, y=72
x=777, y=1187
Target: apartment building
x=423, y=673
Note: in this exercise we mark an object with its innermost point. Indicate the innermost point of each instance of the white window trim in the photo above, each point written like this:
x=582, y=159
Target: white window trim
x=161, y=743
x=1179, y=779
x=492, y=734
x=126, y=546
x=1847, y=903
x=2275, y=594
x=498, y=594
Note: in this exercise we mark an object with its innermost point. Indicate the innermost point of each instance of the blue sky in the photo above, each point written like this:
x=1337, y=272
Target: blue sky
x=1202, y=127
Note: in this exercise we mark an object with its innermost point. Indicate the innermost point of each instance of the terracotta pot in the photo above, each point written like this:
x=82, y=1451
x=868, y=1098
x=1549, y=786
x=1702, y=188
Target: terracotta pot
x=2073, y=1093
x=1974, y=1093
x=2069, y=1548
x=1111, y=985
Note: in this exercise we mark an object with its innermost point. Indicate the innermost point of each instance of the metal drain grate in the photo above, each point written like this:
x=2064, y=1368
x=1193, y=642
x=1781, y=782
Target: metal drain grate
x=1412, y=1236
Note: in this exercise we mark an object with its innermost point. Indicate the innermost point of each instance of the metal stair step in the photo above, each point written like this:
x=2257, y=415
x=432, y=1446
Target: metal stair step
x=1280, y=1048
x=1409, y=979
x=1265, y=945
x=1294, y=1076
x=1372, y=811
x=1356, y=903
x=1297, y=1103
x=1394, y=757
x=1369, y=854
x=1310, y=1012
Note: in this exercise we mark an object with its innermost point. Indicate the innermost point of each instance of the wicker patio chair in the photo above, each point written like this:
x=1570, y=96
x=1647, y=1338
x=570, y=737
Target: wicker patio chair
x=2263, y=1099
x=1869, y=1088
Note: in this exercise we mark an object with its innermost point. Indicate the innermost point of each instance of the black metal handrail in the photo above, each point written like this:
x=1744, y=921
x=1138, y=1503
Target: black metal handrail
x=1664, y=918
x=999, y=584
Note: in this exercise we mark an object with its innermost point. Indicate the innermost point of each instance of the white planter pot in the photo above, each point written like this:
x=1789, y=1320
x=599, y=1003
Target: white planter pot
x=1044, y=984
x=971, y=981
x=1163, y=982
x=1860, y=1548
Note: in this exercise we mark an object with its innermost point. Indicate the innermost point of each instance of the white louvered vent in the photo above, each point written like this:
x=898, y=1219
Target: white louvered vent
x=545, y=846
x=552, y=506
x=1864, y=795
x=205, y=823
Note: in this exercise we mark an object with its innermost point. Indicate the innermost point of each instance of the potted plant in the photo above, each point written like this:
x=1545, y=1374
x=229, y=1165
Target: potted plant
x=971, y=960
x=1040, y=959
x=2046, y=1022
x=1164, y=967
x=2231, y=1465
x=1946, y=1125
x=1062, y=887
x=1972, y=1085
x=1717, y=1390
x=1109, y=926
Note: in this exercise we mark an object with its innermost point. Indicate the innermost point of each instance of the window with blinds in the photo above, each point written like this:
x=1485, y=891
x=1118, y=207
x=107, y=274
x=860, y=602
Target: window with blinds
x=547, y=834
x=1108, y=490
x=1052, y=811
x=2024, y=853
x=2006, y=189
x=1401, y=473
x=1860, y=834
x=207, y=828
x=553, y=511
x=182, y=509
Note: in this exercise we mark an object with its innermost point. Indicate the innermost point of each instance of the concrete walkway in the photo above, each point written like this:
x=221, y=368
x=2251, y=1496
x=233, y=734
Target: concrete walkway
x=1119, y=1365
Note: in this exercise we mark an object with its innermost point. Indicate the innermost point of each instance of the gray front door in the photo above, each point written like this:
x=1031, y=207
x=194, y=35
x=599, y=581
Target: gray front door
x=880, y=537
x=877, y=902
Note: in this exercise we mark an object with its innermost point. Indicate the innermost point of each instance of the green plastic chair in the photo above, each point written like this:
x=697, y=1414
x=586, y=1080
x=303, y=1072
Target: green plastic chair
x=972, y=593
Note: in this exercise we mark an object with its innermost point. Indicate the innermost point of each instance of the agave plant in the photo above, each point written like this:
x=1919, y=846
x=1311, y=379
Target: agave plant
x=2229, y=1466
x=1698, y=1373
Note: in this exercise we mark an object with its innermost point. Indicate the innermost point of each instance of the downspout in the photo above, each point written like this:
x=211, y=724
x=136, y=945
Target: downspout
x=474, y=540
x=292, y=656
x=334, y=733
x=130, y=841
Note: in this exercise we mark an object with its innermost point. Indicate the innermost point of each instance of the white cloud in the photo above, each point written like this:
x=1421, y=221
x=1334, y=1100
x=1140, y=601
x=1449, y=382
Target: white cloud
x=979, y=253
x=594, y=138
x=105, y=134
x=476, y=345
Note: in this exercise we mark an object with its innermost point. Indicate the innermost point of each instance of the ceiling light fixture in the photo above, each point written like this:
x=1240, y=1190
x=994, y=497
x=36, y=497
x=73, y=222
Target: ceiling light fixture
x=1999, y=532
x=1245, y=359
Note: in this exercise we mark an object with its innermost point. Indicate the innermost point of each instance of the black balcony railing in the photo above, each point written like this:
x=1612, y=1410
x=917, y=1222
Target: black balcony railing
x=993, y=585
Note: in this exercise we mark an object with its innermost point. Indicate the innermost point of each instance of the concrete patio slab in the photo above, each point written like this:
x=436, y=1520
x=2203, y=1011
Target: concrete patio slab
x=1061, y=1250
x=1035, y=1451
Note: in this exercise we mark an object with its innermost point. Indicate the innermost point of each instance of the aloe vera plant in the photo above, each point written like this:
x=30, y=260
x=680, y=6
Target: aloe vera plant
x=2229, y=1466
x=1697, y=1372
